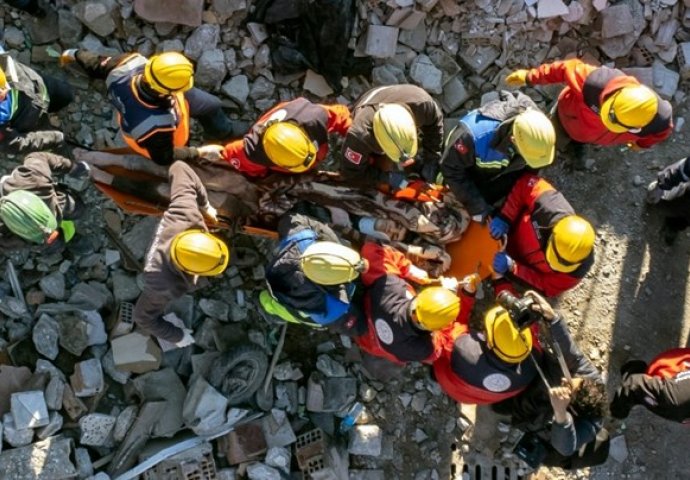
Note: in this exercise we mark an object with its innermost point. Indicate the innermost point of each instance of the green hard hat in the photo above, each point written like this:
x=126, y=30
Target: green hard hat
x=27, y=216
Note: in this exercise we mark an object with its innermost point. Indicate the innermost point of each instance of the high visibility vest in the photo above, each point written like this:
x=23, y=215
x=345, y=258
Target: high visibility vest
x=140, y=120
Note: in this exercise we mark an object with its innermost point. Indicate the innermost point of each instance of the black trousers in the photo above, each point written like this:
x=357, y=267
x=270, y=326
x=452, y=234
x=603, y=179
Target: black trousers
x=207, y=109
x=60, y=93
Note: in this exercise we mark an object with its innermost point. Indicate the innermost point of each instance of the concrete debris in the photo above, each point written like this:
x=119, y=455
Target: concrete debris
x=45, y=460
x=616, y=20
x=551, y=8
x=45, y=335
x=618, y=449
x=29, y=410
x=425, y=74
x=316, y=84
x=96, y=429
x=365, y=440
x=87, y=379
x=54, y=426
x=83, y=461
x=54, y=392
x=381, y=41
x=13, y=436
x=163, y=385
x=260, y=471
x=97, y=16
x=204, y=408
x=136, y=353
x=124, y=421
x=186, y=12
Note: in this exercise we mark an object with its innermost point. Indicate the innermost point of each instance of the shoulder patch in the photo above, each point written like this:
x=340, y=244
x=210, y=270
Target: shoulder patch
x=235, y=162
x=383, y=331
x=496, y=382
x=354, y=157
x=460, y=147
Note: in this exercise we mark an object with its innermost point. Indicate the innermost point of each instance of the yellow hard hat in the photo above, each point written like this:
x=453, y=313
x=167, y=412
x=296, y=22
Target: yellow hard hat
x=571, y=242
x=395, y=131
x=507, y=343
x=535, y=138
x=169, y=72
x=199, y=253
x=330, y=263
x=629, y=109
x=287, y=145
x=436, y=308
x=3, y=80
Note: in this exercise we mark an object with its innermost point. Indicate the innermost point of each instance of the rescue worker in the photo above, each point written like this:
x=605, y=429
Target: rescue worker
x=291, y=137
x=549, y=247
x=26, y=99
x=662, y=387
x=182, y=250
x=601, y=105
x=668, y=195
x=312, y=277
x=403, y=325
x=35, y=206
x=487, y=366
x=565, y=418
x=155, y=99
x=491, y=147
x=383, y=137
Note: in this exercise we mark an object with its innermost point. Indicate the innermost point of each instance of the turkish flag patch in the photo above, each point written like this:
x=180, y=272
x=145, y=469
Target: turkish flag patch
x=461, y=147
x=354, y=157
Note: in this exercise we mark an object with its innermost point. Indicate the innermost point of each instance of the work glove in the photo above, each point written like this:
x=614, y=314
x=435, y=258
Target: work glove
x=517, y=79
x=672, y=176
x=211, y=212
x=212, y=153
x=79, y=170
x=470, y=282
x=498, y=227
x=503, y=263
x=450, y=283
x=430, y=171
x=187, y=338
x=397, y=180
x=654, y=193
x=68, y=56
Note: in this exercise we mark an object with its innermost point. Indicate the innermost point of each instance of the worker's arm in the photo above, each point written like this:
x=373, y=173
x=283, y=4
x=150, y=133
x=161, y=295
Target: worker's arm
x=184, y=182
x=567, y=438
x=339, y=119
x=523, y=196
x=98, y=66
x=578, y=364
x=667, y=397
x=559, y=72
x=149, y=309
x=651, y=140
x=47, y=163
x=355, y=164
x=431, y=125
x=15, y=141
x=548, y=284
x=384, y=260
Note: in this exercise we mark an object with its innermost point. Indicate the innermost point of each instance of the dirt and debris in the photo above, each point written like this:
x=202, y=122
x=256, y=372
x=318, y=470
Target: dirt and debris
x=81, y=393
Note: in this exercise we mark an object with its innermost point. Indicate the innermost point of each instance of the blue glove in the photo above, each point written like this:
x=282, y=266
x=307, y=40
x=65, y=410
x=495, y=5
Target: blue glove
x=498, y=227
x=502, y=263
x=397, y=180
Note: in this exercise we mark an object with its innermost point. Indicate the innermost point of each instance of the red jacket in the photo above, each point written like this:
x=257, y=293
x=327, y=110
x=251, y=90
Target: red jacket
x=498, y=381
x=391, y=295
x=532, y=209
x=586, y=89
x=247, y=155
x=670, y=363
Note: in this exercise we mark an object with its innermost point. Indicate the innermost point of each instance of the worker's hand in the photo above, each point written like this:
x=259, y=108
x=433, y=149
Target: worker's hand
x=430, y=171
x=470, y=282
x=503, y=263
x=418, y=275
x=68, y=56
x=397, y=180
x=211, y=212
x=517, y=79
x=498, y=227
x=79, y=170
x=212, y=153
x=187, y=338
x=450, y=283
x=541, y=306
x=560, y=399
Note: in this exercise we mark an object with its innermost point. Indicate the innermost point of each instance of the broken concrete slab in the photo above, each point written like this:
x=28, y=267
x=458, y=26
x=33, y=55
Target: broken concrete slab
x=29, y=409
x=136, y=353
x=480, y=58
x=163, y=385
x=54, y=425
x=414, y=38
x=96, y=429
x=53, y=285
x=186, y=12
x=365, y=440
x=87, y=379
x=97, y=16
x=45, y=460
x=260, y=471
x=277, y=429
x=316, y=84
x=665, y=80
x=54, y=392
x=616, y=20
x=551, y=8
x=46, y=334
x=13, y=436
x=381, y=41
x=425, y=74
x=204, y=408
x=124, y=421
x=454, y=95
x=72, y=404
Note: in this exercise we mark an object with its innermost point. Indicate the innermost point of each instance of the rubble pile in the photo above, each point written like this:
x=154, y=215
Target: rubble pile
x=86, y=395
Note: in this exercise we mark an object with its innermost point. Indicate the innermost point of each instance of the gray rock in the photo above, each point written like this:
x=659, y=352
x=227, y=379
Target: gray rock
x=13, y=436
x=45, y=336
x=14, y=38
x=53, y=285
x=616, y=20
x=418, y=401
x=210, y=69
x=618, y=449
x=108, y=364
x=365, y=440
x=329, y=367
x=278, y=457
x=53, y=393
x=95, y=328
x=125, y=287
x=262, y=57
x=381, y=41
x=124, y=421
x=204, y=38
x=97, y=15
x=415, y=38
x=87, y=379
x=260, y=471
x=71, y=30
x=93, y=44
x=237, y=88
x=214, y=308
x=185, y=12
x=29, y=409
x=204, y=407
x=54, y=455
x=425, y=74
x=172, y=45
x=454, y=95
x=83, y=461
x=228, y=8
x=74, y=336
x=96, y=428
x=262, y=88
x=90, y=296
x=54, y=425
x=387, y=74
